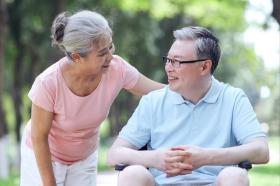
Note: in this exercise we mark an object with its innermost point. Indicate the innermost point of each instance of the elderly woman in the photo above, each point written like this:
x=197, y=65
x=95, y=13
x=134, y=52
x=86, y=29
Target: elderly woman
x=71, y=98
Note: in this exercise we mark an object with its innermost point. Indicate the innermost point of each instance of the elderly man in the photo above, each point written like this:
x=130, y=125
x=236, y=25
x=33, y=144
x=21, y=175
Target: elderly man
x=196, y=129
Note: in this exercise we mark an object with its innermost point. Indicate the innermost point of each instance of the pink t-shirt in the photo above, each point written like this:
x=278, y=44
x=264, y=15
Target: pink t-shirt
x=74, y=133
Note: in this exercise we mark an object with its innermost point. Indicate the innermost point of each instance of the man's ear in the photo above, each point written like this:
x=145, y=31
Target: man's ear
x=76, y=57
x=206, y=67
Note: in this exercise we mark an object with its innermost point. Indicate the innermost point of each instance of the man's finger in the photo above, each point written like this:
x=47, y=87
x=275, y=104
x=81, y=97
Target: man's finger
x=178, y=153
x=185, y=166
x=174, y=159
x=185, y=172
x=172, y=172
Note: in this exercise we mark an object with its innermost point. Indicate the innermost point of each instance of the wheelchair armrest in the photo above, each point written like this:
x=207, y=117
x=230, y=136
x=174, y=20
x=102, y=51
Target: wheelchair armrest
x=120, y=167
x=244, y=165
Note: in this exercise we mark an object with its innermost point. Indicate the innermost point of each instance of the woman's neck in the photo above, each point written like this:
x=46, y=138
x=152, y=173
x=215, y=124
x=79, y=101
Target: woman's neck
x=77, y=81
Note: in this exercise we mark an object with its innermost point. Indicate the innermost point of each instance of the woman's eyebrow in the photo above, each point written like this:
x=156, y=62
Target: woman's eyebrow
x=105, y=49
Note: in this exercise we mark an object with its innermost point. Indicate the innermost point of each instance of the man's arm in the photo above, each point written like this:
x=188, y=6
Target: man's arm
x=126, y=153
x=123, y=152
x=145, y=85
x=256, y=151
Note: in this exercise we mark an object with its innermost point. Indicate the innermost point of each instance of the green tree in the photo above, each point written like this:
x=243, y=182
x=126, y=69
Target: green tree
x=142, y=34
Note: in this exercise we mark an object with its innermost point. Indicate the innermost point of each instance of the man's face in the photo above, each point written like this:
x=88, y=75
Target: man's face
x=186, y=76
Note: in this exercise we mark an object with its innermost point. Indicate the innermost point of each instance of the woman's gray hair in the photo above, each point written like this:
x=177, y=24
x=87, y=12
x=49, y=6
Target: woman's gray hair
x=79, y=32
x=207, y=44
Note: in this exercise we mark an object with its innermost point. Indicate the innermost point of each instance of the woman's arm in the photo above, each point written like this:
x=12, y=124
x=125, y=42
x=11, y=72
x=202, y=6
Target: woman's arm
x=145, y=85
x=41, y=121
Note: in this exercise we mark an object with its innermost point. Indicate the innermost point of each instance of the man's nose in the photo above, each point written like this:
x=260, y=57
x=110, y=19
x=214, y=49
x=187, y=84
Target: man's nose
x=168, y=66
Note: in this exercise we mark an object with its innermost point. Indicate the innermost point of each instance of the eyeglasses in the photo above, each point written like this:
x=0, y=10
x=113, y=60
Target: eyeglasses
x=176, y=63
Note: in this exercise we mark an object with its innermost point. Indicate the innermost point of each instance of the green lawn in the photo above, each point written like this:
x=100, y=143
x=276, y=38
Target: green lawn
x=267, y=175
x=12, y=181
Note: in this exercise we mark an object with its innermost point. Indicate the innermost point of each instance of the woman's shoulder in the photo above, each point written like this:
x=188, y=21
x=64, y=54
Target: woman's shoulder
x=118, y=58
x=119, y=62
x=121, y=67
x=51, y=72
x=50, y=77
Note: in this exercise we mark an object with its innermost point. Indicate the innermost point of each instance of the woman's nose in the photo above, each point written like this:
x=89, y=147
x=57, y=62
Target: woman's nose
x=110, y=56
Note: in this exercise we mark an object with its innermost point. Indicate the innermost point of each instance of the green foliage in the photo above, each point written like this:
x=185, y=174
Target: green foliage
x=143, y=32
x=102, y=158
x=26, y=105
x=223, y=15
x=8, y=107
x=104, y=130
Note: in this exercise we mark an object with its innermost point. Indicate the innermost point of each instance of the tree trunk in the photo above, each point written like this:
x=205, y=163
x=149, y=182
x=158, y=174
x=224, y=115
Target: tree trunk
x=15, y=23
x=3, y=23
x=4, y=163
x=276, y=10
x=17, y=87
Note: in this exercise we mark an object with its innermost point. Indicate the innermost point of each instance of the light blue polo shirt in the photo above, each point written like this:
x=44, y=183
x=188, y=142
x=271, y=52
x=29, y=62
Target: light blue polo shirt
x=223, y=118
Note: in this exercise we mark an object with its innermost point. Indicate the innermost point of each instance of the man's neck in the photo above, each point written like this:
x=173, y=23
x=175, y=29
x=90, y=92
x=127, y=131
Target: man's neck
x=198, y=92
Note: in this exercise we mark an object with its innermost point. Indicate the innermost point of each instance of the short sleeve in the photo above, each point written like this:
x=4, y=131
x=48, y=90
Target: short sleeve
x=137, y=129
x=130, y=74
x=41, y=94
x=245, y=123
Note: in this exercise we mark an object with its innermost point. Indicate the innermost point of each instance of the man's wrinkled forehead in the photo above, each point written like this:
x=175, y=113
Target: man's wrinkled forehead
x=182, y=48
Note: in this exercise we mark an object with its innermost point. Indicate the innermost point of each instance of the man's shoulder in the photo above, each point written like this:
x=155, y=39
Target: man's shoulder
x=227, y=89
x=155, y=97
x=232, y=92
x=157, y=94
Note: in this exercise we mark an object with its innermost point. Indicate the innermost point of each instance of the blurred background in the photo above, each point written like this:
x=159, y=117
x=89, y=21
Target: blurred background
x=249, y=36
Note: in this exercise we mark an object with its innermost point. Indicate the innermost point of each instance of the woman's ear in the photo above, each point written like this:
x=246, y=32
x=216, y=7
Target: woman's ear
x=76, y=57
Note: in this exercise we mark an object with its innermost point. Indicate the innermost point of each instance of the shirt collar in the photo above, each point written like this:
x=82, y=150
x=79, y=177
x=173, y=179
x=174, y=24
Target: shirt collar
x=210, y=97
x=213, y=93
x=176, y=98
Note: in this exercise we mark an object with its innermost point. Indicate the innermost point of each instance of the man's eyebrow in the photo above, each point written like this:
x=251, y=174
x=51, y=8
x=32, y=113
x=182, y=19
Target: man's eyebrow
x=178, y=56
x=175, y=56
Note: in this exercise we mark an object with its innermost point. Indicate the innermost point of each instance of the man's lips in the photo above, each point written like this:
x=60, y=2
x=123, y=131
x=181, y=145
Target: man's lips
x=172, y=78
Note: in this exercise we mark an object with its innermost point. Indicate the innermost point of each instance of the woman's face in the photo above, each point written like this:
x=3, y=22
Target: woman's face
x=98, y=60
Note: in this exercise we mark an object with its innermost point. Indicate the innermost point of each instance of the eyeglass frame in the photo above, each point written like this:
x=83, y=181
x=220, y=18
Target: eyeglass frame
x=167, y=60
